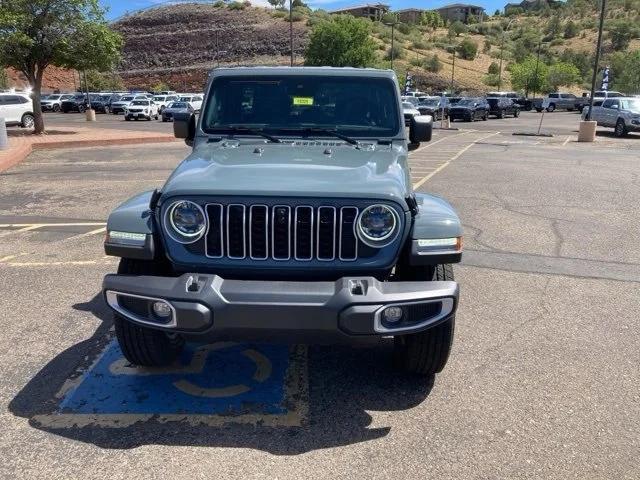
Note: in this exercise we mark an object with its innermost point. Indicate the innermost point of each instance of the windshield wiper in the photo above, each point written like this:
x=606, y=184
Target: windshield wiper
x=235, y=129
x=323, y=131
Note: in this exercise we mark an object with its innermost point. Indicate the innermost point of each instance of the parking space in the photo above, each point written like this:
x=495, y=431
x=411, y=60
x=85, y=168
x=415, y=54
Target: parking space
x=542, y=379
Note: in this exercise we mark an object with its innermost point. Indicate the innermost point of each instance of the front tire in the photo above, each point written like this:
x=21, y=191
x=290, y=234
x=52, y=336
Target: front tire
x=425, y=353
x=144, y=346
x=55, y=108
x=27, y=121
x=621, y=128
x=551, y=107
x=516, y=113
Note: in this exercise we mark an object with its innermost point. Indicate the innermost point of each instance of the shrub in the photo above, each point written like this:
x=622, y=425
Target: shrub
x=494, y=68
x=420, y=44
x=397, y=51
x=492, y=80
x=404, y=28
x=457, y=28
x=219, y=4
x=467, y=49
x=433, y=64
x=237, y=6
x=487, y=46
x=570, y=29
x=416, y=62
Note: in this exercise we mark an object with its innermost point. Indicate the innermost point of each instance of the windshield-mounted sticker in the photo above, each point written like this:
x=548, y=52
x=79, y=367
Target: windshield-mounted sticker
x=303, y=101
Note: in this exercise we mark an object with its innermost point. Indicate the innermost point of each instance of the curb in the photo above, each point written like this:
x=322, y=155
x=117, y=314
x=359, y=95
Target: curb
x=18, y=154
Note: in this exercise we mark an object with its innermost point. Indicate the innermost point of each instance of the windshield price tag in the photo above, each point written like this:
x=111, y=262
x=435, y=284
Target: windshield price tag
x=307, y=101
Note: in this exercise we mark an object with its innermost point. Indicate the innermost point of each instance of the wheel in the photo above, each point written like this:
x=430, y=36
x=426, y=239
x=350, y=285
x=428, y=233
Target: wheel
x=141, y=345
x=570, y=109
x=425, y=353
x=486, y=117
x=551, y=107
x=468, y=119
x=500, y=114
x=106, y=109
x=27, y=120
x=621, y=128
x=539, y=110
x=164, y=119
x=56, y=107
x=127, y=118
x=156, y=116
x=81, y=108
x=516, y=113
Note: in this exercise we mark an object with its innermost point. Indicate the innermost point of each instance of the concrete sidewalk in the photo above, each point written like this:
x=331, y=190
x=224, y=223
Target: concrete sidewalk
x=23, y=142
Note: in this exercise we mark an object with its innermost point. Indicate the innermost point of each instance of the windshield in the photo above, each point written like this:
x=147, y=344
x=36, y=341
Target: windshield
x=354, y=106
x=158, y=99
x=631, y=105
x=126, y=99
x=185, y=99
x=467, y=101
x=178, y=105
x=407, y=105
x=140, y=102
x=53, y=97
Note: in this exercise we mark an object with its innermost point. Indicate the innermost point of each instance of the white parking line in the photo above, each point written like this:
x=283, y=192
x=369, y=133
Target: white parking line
x=88, y=234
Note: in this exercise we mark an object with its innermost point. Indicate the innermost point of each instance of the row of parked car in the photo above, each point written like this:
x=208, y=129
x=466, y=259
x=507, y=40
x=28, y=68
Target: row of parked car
x=467, y=109
x=132, y=105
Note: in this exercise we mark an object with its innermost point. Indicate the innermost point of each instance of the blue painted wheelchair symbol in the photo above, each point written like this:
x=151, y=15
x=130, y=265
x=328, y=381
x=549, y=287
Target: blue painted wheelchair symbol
x=216, y=379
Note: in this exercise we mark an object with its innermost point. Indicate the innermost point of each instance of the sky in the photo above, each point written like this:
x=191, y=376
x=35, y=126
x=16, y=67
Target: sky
x=116, y=8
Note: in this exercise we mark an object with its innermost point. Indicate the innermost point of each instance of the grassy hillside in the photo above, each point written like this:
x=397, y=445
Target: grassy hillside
x=178, y=44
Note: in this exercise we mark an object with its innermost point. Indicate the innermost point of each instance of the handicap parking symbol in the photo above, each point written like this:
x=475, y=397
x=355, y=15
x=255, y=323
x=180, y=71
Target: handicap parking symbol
x=220, y=383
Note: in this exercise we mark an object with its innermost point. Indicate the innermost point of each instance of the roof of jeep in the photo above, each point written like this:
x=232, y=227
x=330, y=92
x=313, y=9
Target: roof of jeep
x=316, y=71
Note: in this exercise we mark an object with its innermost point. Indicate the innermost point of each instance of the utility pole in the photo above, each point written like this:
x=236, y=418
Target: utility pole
x=453, y=68
x=291, y=30
x=392, y=25
x=535, y=75
x=597, y=62
x=504, y=33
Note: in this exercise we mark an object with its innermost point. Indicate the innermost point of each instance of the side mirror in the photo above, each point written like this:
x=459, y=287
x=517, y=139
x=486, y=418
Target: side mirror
x=420, y=129
x=184, y=126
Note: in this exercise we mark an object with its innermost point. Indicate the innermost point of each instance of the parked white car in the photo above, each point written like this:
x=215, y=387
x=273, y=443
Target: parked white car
x=120, y=105
x=141, y=108
x=163, y=100
x=194, y=100
x=16, y=109
x=621, y=114
x=54, y=101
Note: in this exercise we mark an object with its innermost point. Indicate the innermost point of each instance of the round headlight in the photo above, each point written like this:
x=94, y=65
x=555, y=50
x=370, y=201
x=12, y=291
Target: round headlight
x=377, y=226
x=185, y=221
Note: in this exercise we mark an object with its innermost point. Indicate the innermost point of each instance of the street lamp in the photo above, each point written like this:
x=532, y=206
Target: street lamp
x=595, y=65
x=291, y=30
x=504, y=32
x=392, y=25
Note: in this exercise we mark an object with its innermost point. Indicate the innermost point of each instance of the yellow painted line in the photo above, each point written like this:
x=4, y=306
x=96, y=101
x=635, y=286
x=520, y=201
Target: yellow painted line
x=56, y=264
x=19, y=230
x=88, y=234
x=431, y=144
x=457, y=155
x=39, y=225
x=11, y=257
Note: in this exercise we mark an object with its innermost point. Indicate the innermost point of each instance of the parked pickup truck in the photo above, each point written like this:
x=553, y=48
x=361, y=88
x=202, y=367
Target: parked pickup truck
x=560, y=101
x=292, y=219
x=621, y=114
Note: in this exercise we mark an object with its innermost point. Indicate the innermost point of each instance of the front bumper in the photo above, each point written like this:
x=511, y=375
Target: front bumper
x=208, y=306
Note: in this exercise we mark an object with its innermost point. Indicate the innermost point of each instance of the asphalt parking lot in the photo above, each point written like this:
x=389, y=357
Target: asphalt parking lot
x=542, y=382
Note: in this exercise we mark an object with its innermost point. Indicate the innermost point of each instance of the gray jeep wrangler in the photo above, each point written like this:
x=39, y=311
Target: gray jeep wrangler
x=293, y=219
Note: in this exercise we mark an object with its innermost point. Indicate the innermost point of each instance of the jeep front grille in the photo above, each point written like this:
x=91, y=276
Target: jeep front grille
x=281, y=232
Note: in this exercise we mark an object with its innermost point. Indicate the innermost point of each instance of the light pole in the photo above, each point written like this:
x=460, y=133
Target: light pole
x=392, y=25
x=453, y=68
x=501, y=49
x=595, y=65
x=291, y=30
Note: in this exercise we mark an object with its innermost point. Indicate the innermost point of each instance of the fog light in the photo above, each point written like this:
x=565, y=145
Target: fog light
x=392, y=314
x=161, y=309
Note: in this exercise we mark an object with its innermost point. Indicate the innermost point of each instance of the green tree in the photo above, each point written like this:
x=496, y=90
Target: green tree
x=341, y=41
x=99, y=81
x=4, y=79
x=570, y=29
x=625, y=71
x=277, y=3
x=431, y=19
x=562, y=74
x=160, y=86
x=66, y=33
x=457, y=28
x=491, y=80
x=621, y=32
x=467, y=49
x=529, y=75
x=494, y=68
x=496, y=13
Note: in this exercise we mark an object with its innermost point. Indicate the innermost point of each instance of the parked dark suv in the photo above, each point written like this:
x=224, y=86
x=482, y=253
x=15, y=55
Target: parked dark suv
x=503, y=106
x=469, y=109
x=77, y=103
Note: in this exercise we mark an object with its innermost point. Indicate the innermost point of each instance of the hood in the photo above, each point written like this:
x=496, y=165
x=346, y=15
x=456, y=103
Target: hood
x=295, y=169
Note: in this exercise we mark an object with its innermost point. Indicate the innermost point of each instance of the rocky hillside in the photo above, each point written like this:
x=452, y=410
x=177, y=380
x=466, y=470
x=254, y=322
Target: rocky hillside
x=178, y=44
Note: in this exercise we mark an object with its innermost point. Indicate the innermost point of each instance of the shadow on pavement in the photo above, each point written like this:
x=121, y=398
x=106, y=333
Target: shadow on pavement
x=611, y=134
x=344, y=382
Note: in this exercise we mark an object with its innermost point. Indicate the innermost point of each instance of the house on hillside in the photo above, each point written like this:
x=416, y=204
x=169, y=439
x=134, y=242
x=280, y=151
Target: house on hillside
x=409, y=15
x=374, y=11
x=461, y=11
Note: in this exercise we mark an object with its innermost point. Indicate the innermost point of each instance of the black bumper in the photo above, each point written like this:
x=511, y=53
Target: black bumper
x=210, y=307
